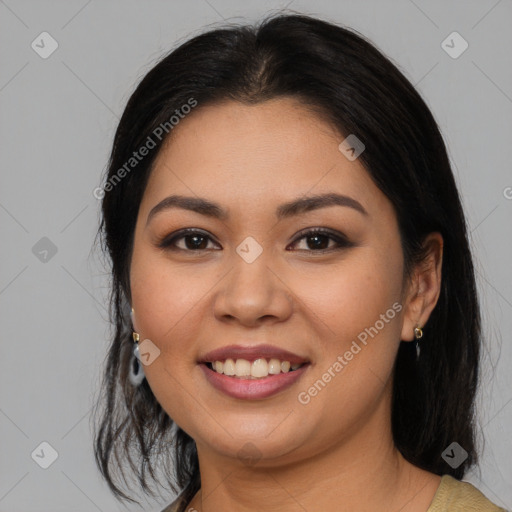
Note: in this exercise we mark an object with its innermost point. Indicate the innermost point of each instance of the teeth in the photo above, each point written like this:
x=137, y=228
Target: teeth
x=242, y=368
x=229, y=367
x=274, y=366
x=257, y=369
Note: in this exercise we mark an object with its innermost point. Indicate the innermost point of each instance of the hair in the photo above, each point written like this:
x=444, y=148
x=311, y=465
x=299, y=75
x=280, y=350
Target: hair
x=346, y=80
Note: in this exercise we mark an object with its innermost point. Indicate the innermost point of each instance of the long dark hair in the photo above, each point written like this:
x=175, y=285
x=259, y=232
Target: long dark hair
x=348, y=82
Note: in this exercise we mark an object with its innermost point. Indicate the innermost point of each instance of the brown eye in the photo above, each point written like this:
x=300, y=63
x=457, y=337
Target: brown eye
x=187, y=240
x=194, y=242
x=318, y=240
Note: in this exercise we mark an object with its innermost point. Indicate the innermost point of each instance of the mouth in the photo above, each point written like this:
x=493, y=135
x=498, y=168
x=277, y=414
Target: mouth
x=252, y=372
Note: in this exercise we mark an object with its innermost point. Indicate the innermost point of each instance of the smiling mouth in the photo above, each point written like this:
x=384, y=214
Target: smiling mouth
x=258, y=369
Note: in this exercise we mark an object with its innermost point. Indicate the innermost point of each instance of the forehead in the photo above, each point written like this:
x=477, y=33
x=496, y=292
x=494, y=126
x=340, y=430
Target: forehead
x=248, y=154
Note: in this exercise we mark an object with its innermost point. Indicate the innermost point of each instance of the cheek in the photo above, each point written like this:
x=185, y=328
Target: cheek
x=350, y=296
x=167, y=303
x=359, y=308
x=165, y=295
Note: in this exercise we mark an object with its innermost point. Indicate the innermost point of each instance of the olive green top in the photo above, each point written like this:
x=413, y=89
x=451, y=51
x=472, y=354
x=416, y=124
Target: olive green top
x=451, y=496
x=455, y=496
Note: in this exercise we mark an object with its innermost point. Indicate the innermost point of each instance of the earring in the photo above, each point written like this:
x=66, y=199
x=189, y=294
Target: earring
x=136, y=374
x=418, y=334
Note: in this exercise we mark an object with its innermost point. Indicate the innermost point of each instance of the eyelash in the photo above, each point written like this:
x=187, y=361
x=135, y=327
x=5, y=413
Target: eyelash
x=343, y=243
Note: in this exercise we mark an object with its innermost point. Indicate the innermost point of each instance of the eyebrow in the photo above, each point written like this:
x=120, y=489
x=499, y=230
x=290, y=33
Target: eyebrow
x=290, y=209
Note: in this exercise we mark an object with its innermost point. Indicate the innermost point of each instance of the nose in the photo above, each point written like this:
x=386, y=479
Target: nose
x=253, y=293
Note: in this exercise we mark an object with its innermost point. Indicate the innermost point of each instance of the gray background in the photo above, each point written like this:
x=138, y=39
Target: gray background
x=58, y=117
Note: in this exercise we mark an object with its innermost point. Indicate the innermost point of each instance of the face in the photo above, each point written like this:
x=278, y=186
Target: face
x=321, y=280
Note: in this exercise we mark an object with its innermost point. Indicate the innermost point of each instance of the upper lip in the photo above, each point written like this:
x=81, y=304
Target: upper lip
x=251, y=353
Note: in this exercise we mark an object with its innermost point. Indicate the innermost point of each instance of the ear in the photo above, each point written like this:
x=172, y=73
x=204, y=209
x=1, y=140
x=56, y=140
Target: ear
x=424, y=287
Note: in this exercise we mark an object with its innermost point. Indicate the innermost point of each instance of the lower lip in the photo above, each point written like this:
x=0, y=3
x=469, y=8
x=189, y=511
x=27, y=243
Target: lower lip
x=252, y=389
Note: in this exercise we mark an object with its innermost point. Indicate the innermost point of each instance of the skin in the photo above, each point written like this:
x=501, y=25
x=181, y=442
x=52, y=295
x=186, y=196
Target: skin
x=335, y=453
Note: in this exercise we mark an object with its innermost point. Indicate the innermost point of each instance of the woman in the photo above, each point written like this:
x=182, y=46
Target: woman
x=289, y=254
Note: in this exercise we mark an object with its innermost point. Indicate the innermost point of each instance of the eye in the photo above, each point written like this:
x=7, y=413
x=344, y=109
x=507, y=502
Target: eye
x=319, y=240
x=191, y=240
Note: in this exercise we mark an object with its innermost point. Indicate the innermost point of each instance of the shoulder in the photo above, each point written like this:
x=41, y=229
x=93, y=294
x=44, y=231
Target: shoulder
x=454, y=495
